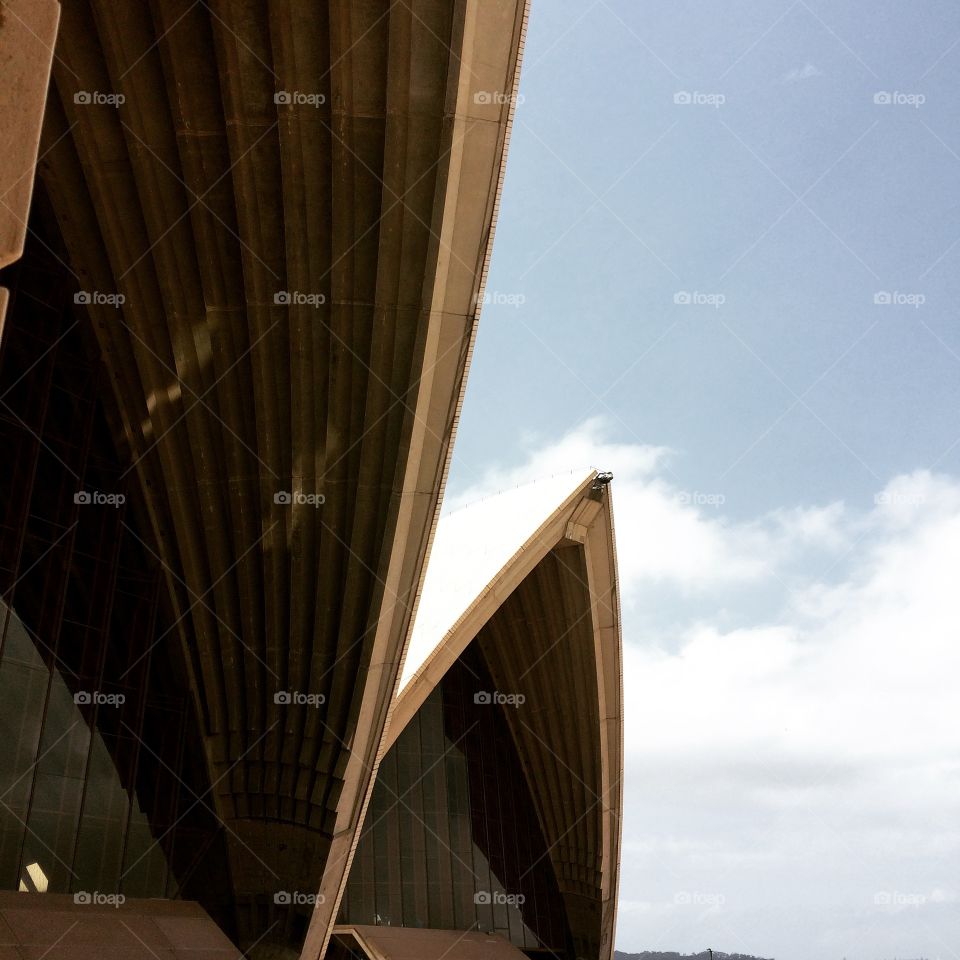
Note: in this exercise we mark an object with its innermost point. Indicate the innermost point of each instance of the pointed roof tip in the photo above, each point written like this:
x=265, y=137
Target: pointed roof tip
x=472, y=544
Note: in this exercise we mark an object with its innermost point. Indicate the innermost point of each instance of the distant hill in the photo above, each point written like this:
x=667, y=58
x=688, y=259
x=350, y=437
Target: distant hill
x=705, y=955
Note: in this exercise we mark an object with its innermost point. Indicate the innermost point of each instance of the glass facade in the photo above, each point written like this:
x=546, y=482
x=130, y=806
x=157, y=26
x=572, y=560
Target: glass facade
x=451, y=839
x=101, y=772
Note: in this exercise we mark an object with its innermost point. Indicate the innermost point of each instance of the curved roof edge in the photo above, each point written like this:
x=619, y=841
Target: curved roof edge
x=473, y=547
x=482, y=606
x=478, y=135
x=605, y=582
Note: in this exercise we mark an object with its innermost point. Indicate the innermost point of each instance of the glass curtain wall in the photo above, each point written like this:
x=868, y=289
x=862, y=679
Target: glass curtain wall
x=451, y=839
x=101, y=769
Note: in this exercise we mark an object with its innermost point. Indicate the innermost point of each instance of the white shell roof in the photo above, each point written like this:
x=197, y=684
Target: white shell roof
x=471, y=546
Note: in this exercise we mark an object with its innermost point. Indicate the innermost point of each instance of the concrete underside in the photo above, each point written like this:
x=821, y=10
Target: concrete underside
x=284, y=292
x=55, y=927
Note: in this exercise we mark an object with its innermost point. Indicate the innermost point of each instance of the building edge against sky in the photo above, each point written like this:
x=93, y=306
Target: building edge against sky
x=242, y=304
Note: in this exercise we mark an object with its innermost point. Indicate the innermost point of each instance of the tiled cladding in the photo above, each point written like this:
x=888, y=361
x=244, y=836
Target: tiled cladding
x=101, y=771
x=451, y=839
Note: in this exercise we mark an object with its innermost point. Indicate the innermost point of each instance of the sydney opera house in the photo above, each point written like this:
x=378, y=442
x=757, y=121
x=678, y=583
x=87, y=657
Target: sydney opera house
x=259, y=696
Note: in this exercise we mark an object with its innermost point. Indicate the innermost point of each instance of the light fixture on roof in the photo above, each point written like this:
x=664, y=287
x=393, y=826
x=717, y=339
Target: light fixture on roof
x=602, y=479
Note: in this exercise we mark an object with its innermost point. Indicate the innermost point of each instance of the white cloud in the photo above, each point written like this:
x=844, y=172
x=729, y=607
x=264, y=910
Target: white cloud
x=676, y=537
x=802, y=761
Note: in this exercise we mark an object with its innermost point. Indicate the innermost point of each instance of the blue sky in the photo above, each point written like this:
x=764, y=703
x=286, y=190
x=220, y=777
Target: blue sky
x=616, y=198
x=787, y=449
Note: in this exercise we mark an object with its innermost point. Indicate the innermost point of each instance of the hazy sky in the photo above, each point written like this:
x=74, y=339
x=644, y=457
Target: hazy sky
x=686, y=293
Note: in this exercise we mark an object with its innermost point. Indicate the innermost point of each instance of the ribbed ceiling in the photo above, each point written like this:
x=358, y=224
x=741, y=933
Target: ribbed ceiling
x=540, y=644
x=299, y=281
